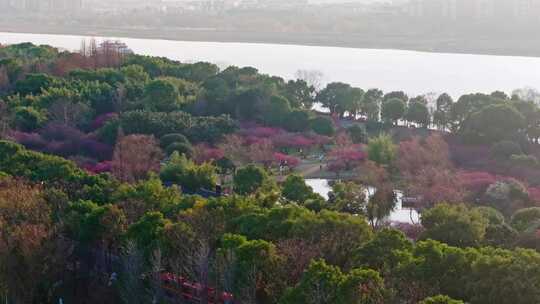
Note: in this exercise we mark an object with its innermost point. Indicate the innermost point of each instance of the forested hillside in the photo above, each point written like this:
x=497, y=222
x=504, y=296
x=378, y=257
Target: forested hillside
x=134, y=179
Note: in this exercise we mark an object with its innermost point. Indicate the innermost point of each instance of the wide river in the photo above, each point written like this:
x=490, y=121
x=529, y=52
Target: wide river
x=410, y=71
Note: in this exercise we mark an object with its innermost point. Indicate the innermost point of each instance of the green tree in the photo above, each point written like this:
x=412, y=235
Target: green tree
x=300, y=94
x=181, y=148
x=465, y=106
x=294, y=188
x=189, y=175
x=382, y=150
x=168, y=139
x=33, y=84
x=55, y=172
x=352, y=230
x=393, y=110
x=251, y=265
x=28, y=119
x=276, y=111
x=523, y=219
x=135, y=73
x=371, y=104
x=322, y=125
x=503, y=150
x=435, y=268
x=505, y=277
x=418, y=112
x=249, y=179
x=161, y=95
x=246, y=105
x=420, y=99
x=384, y=251
x=357, y=134
x=493, y=123
x=297, y=121
x=148, y=231
x=363, y=286
x=348, y=197
x=442, y=115
x=381, y=204
x=493, y=216
x=507, y=196
x=320, y=284
x=337, y=97
x=396, y=94
x=440, y=299
x=216, y=91
x=455, y=225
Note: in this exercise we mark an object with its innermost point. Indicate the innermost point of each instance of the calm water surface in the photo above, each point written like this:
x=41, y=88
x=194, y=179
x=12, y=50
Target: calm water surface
x=411, y=71
x=399, y=215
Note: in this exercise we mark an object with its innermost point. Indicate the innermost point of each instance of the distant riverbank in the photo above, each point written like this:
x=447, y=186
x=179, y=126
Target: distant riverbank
x=506, y=46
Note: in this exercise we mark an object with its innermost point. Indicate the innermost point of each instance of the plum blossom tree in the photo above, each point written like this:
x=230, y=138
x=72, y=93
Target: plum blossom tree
x=262, y=152
x=476, y=182
x=346, y=158
x=203, y=153
x=233, y=148
x=428, y=171
x=293, y=141
x=291, y=161
x=135, y=156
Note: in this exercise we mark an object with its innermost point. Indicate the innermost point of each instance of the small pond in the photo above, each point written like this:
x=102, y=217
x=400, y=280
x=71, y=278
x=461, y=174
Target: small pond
x=399, y=215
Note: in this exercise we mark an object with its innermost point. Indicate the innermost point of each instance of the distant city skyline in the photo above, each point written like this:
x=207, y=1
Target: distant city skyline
x=475, y=9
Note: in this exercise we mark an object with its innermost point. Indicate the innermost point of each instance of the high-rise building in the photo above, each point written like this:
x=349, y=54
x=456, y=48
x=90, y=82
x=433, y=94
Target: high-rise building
x=17, y=4
x=476, y=10
x=433, y=9
x=64, y=5
x=33, y=5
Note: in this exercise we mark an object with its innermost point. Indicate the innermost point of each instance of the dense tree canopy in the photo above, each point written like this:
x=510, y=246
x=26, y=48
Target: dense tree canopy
x=93, y=210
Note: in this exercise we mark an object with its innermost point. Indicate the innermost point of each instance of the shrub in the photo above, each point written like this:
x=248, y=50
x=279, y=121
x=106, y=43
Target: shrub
x=322, y=126
x=180, y=147
x=168, y=139
x=357, y=134
x=294, y=188
x=493, y=216
x=61, y=132
x=382, y=150
x=29, y=140
x=507, y=195
x=440, y=299
x=476, y=182
x=203, y=153
x=524, y=160
x=189, y=175
x=504, y=149
x=249, y=179
x=297, y=121
x=28, y=119
x=524, y=218
x=96, y=149
x=455, y=225
x=102, y=119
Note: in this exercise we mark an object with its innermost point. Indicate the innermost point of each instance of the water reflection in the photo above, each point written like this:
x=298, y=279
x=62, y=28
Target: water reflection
x=400, y=214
